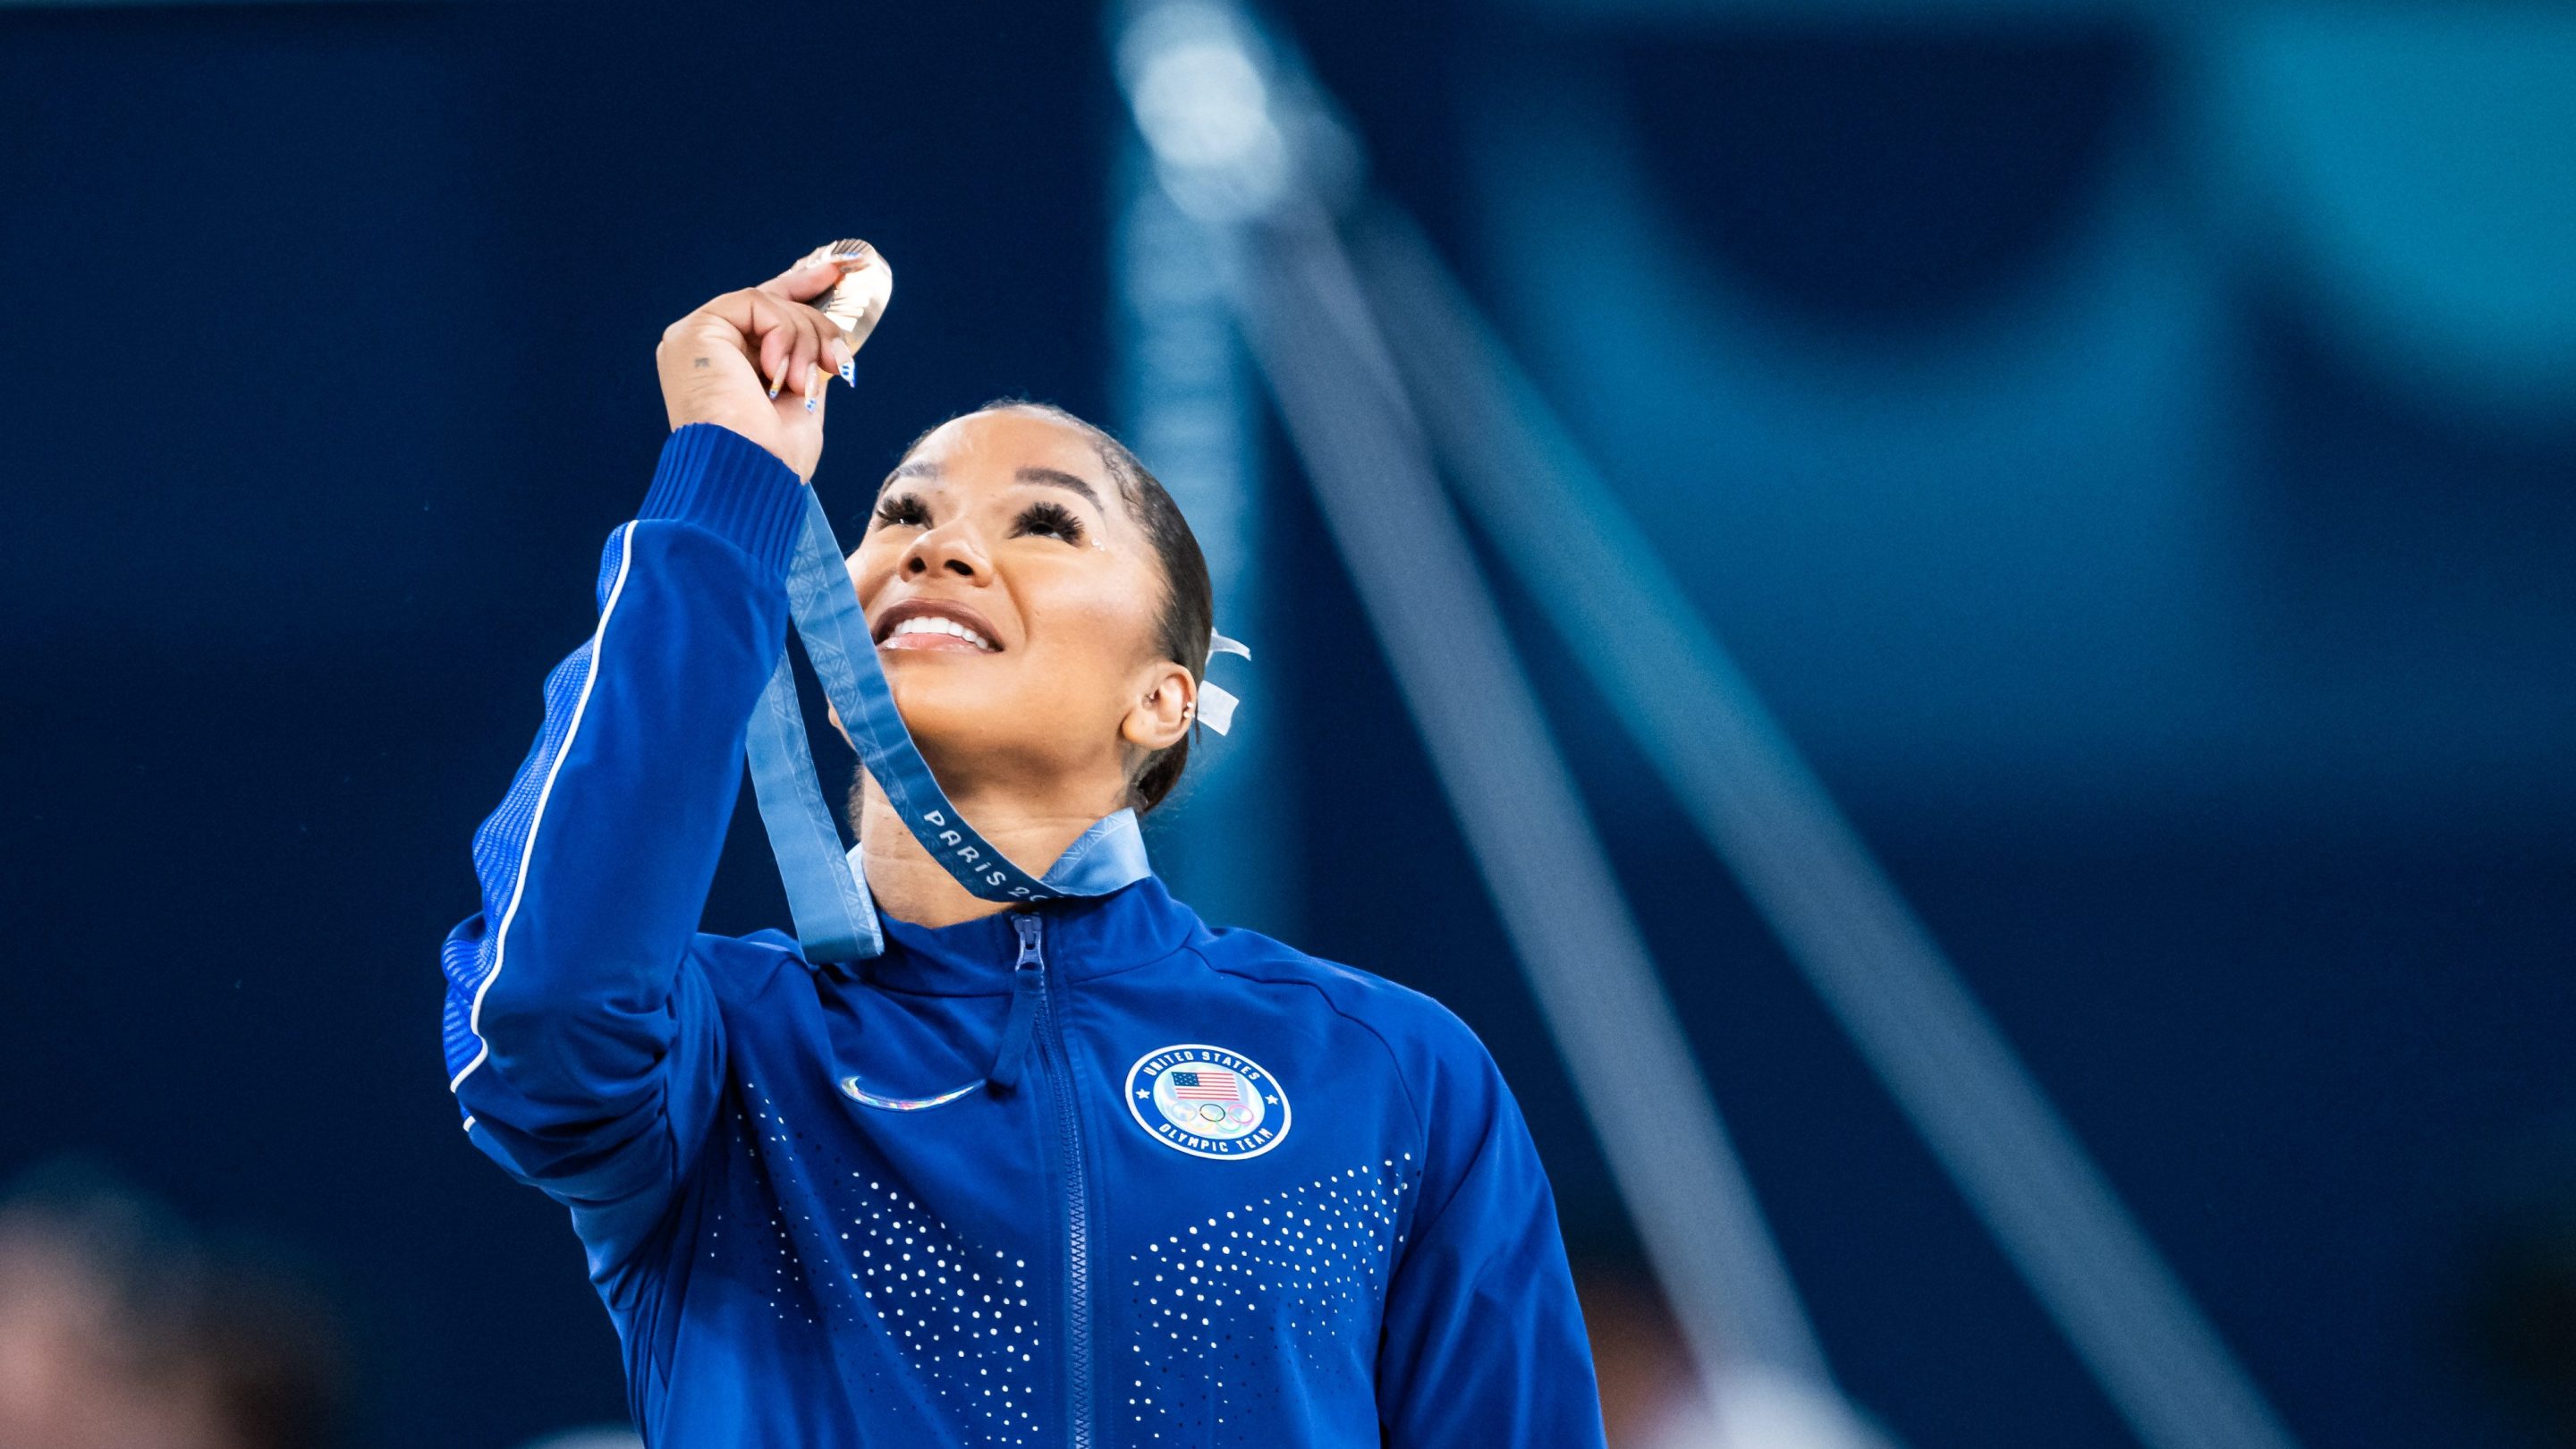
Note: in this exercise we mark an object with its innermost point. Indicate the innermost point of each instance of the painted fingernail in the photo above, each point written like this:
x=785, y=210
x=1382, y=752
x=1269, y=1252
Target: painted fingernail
x=774, y=382
x=813, y=385
x=849, y=371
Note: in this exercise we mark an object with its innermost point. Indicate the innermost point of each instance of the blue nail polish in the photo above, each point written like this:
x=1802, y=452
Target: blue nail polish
x=849, y=373
x=809, y=405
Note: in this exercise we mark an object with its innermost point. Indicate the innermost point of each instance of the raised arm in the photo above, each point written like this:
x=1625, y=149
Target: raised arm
x=582, y=1041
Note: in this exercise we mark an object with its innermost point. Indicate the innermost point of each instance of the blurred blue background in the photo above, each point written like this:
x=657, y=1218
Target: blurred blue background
x=2133, y=448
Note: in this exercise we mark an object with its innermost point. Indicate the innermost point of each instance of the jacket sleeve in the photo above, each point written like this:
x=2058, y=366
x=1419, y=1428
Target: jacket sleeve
x=582, y=1038
x=1483, y=1344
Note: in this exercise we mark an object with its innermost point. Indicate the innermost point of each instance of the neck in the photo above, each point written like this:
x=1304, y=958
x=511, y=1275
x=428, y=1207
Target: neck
x=1032, y=828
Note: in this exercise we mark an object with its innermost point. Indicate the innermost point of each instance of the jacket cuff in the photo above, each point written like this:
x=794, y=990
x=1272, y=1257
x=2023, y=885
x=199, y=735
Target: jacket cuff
x=725, y=483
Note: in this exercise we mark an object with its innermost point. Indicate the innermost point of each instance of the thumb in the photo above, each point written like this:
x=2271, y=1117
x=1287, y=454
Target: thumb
x=804, y=281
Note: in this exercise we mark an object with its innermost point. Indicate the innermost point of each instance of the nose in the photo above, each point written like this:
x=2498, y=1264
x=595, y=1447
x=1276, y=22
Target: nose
x=949, y=550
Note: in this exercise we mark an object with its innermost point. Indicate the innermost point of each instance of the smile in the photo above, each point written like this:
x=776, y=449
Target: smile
x=936, y=631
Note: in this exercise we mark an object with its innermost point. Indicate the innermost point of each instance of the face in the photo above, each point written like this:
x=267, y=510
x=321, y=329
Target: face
x=1015, y=606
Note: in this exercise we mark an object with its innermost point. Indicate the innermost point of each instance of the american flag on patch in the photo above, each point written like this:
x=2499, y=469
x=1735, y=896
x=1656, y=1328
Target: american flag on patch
x=1207, y=1084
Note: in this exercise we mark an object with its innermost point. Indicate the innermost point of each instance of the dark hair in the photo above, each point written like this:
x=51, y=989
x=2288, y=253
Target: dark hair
x=1189, y=602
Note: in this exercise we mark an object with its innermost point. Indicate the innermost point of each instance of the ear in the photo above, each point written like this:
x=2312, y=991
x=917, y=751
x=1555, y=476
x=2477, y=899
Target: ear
x=1160, y=711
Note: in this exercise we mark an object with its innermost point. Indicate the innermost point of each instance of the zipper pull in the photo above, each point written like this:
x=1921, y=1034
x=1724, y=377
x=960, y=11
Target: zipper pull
x=1028, y=979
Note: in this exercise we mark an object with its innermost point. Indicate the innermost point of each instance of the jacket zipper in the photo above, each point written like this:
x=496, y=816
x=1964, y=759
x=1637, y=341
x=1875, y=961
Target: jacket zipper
x=1054, y=1061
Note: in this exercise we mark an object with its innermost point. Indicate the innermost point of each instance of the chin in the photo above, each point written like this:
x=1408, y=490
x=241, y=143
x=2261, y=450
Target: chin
x=941, y=704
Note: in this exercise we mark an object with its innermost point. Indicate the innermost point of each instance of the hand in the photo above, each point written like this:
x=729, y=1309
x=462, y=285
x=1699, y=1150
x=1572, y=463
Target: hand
x=719, y=364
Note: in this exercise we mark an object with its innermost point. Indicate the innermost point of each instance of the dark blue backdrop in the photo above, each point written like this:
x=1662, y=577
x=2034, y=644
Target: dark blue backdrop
x=332, y=332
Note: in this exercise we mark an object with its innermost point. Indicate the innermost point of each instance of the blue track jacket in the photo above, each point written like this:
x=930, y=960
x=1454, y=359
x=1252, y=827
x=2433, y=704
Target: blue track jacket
x=1236, y=1195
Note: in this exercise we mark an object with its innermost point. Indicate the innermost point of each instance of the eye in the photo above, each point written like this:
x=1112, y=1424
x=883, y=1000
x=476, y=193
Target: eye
x=1049, y=518
x=903, y=510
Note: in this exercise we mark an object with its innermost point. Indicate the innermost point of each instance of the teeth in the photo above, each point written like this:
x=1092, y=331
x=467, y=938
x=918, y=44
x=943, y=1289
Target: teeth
x=934, y=624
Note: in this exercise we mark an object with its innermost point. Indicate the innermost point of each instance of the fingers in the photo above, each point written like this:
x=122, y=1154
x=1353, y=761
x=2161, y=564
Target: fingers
x=785, y=339
x=780, y=331
x=808, y=353
x=777, y=334
x=833, y=355
x=806, y=280
x=803, y=340
x=812, y=277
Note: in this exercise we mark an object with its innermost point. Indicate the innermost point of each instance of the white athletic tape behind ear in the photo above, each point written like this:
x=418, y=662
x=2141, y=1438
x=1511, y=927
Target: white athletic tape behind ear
x=1216, y=708
x=1216, y=705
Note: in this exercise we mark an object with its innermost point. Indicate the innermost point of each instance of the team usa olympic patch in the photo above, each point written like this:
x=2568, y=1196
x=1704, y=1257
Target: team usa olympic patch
x=1207, y=1101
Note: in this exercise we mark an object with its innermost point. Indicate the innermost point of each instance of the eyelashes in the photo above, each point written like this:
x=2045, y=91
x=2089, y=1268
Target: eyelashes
x=1043, y=519
x=903, y=509
x=1049, y=517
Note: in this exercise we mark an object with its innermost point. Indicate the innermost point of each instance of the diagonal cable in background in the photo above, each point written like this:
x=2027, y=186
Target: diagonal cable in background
x=1515, y=800
x=1245, y=142
x=1197, y=93
x=1992, y=1128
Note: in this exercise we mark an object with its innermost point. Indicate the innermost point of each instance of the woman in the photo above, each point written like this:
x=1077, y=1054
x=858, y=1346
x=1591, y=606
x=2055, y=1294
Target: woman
x=1197, y=1188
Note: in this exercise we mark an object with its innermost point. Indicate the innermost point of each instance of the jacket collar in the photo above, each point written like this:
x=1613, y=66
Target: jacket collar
x=1132, y=926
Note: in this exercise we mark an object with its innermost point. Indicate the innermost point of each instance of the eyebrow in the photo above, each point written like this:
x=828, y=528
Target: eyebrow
x=1057, y=478
x=1050, y=477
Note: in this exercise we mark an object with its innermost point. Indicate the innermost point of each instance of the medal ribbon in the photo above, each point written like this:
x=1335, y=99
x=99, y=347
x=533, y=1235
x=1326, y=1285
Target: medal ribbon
x=826, y=893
